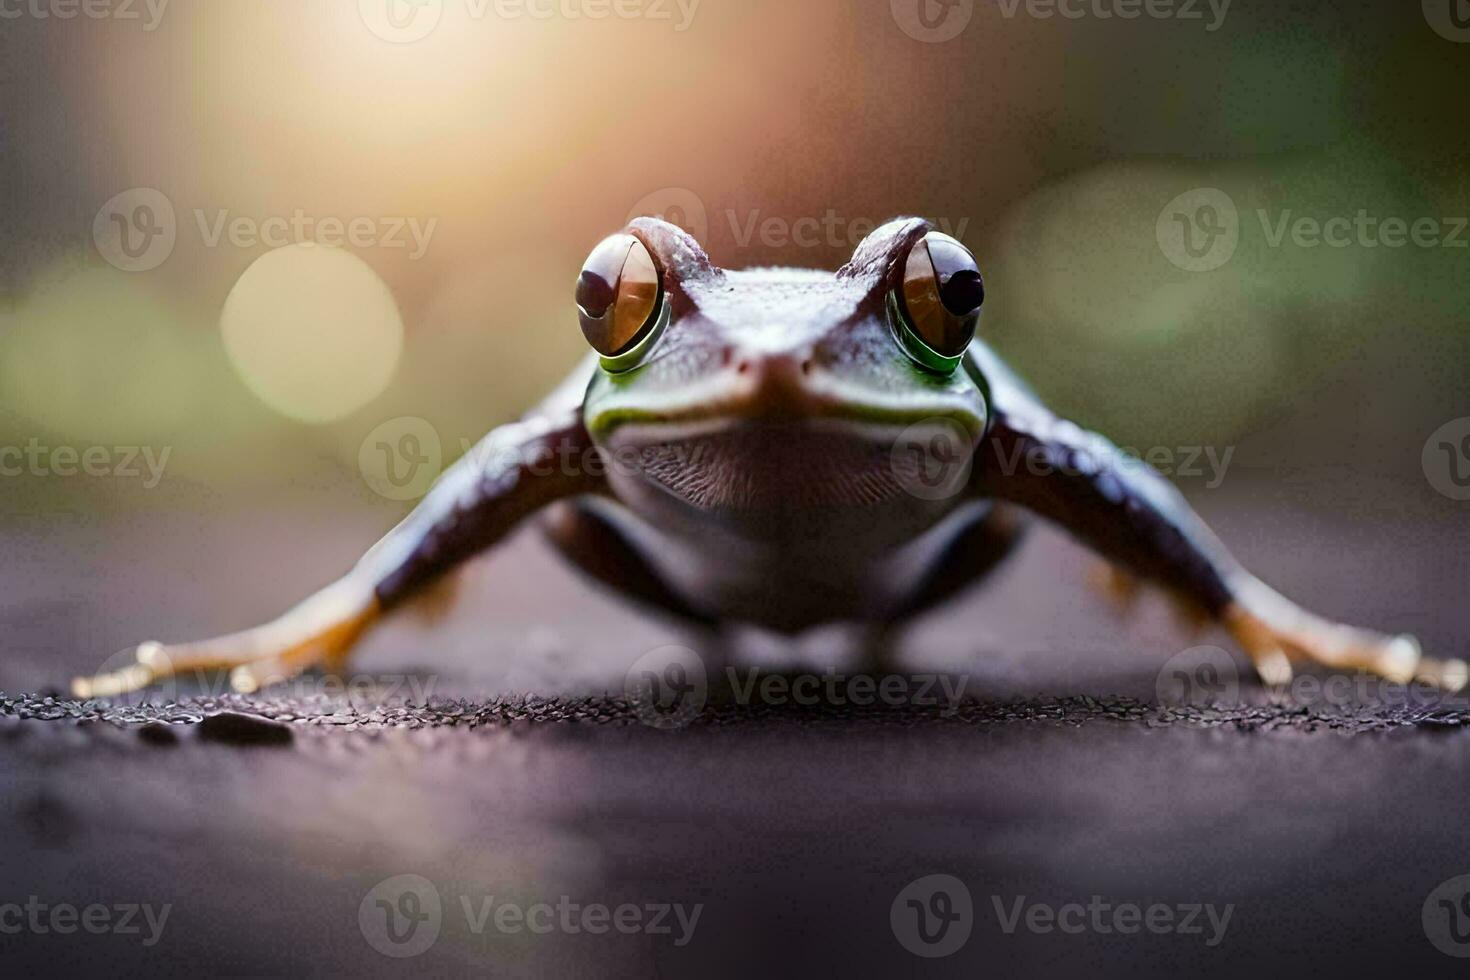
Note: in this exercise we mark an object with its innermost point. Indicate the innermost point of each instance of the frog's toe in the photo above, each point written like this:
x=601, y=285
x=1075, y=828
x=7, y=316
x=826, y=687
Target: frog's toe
x=1272, y=665
x=247, y=678
x=133, y=677
x=319, y=632
x=1449, y=676
x=1303, y=636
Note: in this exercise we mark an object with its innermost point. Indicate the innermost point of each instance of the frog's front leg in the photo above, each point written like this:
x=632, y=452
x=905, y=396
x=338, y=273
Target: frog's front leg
x=515, y=470
x=1134, y=517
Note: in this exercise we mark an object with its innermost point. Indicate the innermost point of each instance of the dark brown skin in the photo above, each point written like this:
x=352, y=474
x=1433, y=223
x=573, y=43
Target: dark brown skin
x=754, y=447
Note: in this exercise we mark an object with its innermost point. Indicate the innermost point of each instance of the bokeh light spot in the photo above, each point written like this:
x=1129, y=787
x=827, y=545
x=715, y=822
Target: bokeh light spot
x=313, y=331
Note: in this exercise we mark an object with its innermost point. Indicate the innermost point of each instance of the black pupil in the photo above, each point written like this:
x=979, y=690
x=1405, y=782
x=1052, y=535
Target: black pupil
x=963, y=294
x=594, y=293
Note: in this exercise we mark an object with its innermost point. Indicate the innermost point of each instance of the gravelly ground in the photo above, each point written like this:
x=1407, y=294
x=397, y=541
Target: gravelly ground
x=494, y=753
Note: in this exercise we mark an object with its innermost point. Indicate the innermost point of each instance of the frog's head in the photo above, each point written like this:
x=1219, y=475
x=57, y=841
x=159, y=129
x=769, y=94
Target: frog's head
x=770, y=387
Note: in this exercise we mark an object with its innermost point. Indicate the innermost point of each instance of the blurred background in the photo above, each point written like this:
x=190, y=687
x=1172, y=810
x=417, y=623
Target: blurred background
x=166, y=165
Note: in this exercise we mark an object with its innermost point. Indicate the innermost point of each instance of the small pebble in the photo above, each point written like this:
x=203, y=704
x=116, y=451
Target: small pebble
x=234, y=728
x=158, y=733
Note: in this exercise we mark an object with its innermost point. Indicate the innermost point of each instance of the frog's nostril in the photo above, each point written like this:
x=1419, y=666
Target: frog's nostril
x=778, y=370
x=772, y=383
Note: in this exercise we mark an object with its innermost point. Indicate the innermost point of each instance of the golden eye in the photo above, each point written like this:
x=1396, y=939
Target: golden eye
x=617, y=295
x=940, y=299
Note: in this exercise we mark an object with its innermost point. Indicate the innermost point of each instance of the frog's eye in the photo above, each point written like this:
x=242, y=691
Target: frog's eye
x=618, y=297
x=938, y=302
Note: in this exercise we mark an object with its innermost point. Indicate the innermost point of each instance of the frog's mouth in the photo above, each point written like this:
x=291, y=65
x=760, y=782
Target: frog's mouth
x=754, y=465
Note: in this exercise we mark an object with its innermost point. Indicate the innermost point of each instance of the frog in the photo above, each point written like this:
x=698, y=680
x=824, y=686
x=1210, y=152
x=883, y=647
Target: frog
x=786, y=449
